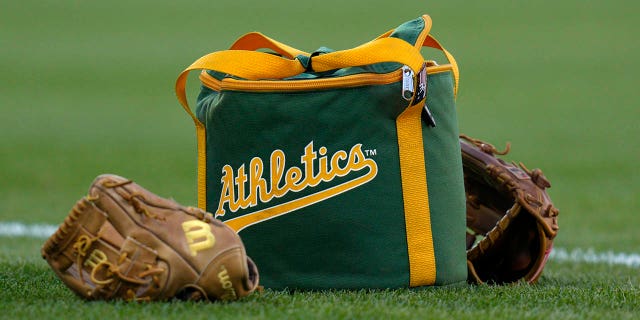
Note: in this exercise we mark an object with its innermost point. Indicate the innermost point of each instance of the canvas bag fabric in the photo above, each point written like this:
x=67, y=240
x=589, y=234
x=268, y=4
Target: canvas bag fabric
x=326, y=165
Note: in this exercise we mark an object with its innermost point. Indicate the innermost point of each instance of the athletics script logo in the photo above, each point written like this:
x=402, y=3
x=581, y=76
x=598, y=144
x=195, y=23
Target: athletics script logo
x=245, y=187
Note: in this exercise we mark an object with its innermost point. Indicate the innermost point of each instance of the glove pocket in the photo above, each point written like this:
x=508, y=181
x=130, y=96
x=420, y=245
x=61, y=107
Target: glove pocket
x=130, y=272
x=139, y=273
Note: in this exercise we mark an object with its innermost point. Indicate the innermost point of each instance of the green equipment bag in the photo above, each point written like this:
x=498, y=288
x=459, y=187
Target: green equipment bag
x=339, y=169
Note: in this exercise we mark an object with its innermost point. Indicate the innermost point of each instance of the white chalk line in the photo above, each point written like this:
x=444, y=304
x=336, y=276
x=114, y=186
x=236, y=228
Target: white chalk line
x=18, y=229
x=578, y=255
x=591, y=256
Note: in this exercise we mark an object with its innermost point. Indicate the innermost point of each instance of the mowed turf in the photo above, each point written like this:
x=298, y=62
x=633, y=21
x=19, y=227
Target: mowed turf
x=87, y=88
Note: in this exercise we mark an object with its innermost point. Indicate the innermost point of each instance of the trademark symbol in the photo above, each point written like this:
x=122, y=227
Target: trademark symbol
x=370, y=152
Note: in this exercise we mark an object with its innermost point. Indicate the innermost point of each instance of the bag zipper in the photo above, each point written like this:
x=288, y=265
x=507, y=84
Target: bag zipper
x=409, y=83
x=355, y=80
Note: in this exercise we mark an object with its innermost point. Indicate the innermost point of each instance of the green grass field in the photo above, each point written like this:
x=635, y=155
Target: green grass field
x=87, y=88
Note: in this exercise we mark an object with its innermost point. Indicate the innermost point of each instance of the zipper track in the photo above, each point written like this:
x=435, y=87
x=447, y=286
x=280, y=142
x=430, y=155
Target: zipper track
x=355, y=80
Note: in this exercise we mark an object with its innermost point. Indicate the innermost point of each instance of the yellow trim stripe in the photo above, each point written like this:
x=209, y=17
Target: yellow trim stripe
x=424, y=33
x=415, y=195
x=202, y=165
x=422, y=261
x=355, y=80
x=201, y=141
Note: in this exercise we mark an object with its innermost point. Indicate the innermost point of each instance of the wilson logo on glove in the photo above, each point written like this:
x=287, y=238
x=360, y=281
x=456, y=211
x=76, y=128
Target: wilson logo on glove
x=199, y=236
x=316, y=168
x=227, y=285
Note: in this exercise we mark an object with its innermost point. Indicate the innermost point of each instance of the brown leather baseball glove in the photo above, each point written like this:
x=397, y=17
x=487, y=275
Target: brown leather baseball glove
x=511, y=222
x=124, y=242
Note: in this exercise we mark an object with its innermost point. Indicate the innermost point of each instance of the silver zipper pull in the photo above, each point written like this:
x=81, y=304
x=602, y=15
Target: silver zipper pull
x=407, y=83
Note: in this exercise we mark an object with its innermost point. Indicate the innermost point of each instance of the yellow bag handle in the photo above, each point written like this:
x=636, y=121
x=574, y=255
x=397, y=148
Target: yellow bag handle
x=253, y=65
x=255, y=40
x=433, y=43
x=243, y=61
